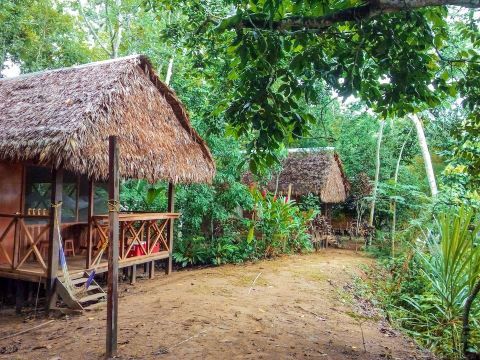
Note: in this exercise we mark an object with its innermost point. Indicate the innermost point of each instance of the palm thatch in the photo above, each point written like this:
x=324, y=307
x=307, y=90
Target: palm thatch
x=316, y=171
x=63, y=118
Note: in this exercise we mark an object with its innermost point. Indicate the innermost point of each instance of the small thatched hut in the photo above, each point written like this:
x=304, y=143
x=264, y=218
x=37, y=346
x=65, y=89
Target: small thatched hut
x=314, y=171
x=54, y=131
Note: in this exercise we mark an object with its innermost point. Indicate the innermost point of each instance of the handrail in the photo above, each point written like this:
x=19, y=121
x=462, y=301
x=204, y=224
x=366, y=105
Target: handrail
x=24, y=216
x=141, y=216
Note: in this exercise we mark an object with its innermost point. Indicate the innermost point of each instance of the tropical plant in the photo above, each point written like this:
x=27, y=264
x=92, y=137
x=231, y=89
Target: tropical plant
x=450, y=263
x=190, y=251
x=279, y=225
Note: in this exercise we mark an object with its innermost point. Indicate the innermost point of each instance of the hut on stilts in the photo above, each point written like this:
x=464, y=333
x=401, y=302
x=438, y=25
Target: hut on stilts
x=54, y=161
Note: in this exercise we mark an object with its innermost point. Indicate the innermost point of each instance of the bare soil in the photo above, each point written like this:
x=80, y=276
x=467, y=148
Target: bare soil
x=300, y=307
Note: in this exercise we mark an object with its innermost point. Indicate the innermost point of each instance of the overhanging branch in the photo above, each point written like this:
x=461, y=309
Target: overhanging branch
x=371, y=9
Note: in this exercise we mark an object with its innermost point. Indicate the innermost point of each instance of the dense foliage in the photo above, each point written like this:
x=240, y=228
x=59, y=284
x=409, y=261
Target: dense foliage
x=259, y=76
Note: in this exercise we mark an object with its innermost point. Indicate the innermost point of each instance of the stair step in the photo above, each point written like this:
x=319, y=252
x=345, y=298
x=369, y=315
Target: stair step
x=93, y=287
x=92, y=297
x=81, y=280
x=94, y=306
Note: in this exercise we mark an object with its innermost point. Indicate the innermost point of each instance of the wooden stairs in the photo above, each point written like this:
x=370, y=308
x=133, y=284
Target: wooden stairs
x=82, y=299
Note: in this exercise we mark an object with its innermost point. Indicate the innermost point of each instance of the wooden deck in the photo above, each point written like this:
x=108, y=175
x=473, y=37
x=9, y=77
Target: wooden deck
x=32, y=271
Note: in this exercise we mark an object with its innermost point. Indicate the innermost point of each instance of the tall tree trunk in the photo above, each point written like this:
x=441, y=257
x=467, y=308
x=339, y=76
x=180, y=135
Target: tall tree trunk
x=394, y=202
x=422, y=141
x=377, y=173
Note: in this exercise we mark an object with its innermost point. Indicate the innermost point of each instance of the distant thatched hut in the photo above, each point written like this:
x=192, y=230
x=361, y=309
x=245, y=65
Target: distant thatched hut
x=54, y=130
x=317, y=171
x=312, y=171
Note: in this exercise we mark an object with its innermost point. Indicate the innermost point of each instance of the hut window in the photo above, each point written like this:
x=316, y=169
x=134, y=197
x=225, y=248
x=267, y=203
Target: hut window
x=101, y=199
x=38, y=186
x=83, y=199
x=69, y=207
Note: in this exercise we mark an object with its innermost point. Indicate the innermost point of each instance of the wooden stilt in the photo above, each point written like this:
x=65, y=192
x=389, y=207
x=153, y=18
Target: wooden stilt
x=151, y=272
x=53, y=241
x=113, y=209
x=19, y=296
x=171, y=209
x=30, y=287
x=133, y=274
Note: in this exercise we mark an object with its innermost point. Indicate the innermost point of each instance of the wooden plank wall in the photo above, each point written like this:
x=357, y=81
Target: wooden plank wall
x=11, y=176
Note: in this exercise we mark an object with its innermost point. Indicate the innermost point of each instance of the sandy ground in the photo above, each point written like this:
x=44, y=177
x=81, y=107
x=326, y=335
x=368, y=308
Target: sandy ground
x=299, y=308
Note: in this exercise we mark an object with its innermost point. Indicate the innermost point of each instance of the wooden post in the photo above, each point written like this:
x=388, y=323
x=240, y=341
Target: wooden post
x=151, y=270
x=289, y=193
x=77, y=200
x=90, y=213
x=133, y=274
x=16, y=235
x=54, y=236
x=19, y=296
x=171, y=209
x=16, y=245
x=113, y=209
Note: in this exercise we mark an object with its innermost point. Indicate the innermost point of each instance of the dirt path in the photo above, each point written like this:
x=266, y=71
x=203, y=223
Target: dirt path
x=297, y=309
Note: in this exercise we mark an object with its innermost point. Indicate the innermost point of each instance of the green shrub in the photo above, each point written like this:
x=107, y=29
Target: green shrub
x=424, y=290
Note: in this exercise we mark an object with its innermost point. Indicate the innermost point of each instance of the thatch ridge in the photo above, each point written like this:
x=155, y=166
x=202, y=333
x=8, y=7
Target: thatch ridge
x=63, y=118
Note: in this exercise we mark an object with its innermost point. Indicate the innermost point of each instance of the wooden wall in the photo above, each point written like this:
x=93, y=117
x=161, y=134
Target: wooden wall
x=10, y=200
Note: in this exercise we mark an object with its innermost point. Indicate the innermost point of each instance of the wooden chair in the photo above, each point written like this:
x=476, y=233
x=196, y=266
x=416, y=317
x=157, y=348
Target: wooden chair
x=69, y=247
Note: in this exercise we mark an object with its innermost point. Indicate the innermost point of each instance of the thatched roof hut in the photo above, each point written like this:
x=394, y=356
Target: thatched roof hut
x=318, y=171
x=64, y=117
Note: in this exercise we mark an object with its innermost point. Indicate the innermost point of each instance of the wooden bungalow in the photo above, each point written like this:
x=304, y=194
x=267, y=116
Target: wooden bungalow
x=54, y=130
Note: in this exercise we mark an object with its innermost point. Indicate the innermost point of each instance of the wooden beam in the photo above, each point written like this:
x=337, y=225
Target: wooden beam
x=53, y=240
x=112, y=280
x=171, y=208
x=90, y=213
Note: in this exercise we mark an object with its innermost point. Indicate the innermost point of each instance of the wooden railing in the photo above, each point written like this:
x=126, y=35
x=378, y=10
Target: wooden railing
x=146, y=233
x=27, y=239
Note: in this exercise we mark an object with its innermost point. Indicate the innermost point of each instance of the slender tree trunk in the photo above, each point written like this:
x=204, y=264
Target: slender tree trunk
x=466, y=317
x=394, y=202
x=116, y=36
x=422, y=141
x=169, y=71
x=377, y=173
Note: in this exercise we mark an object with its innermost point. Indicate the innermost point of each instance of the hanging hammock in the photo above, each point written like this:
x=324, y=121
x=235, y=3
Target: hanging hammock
x=97, y=260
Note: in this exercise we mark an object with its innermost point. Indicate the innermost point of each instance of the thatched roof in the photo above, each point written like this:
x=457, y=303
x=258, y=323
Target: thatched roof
x=317, y=171
x=64, y=117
